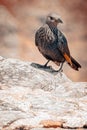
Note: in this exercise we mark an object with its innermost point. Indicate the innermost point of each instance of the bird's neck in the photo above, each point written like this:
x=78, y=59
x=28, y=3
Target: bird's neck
x=51, y=25
x=53, y=28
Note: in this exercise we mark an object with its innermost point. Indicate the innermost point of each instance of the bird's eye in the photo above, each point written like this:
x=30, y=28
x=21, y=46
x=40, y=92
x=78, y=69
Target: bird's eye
x=51, y=18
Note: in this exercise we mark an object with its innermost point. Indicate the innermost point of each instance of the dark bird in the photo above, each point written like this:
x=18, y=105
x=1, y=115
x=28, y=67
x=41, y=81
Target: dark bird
x=52, y=43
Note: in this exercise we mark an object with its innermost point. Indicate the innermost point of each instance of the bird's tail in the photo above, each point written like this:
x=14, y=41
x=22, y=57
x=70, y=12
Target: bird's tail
x=75, y=65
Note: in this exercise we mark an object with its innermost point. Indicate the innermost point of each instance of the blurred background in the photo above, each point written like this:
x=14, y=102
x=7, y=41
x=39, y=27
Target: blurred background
x=19, y=20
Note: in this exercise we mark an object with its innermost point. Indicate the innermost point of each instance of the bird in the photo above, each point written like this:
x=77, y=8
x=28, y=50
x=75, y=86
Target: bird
x=52, y=43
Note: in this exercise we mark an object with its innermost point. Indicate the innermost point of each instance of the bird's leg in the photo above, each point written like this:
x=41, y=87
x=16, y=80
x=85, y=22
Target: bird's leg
x=60, y=69
x=46, y=63
x=45, y=66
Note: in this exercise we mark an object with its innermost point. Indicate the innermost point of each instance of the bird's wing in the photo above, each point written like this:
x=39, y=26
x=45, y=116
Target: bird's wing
x=39, y=35
x=63, y=47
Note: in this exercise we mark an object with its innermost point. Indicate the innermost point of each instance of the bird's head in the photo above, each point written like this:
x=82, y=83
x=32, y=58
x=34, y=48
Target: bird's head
x=54, y=19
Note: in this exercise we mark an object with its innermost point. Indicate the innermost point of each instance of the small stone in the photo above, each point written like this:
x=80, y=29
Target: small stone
x=51, y=124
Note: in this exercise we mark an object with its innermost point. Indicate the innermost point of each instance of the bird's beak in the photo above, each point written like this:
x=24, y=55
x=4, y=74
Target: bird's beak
x=60, y=21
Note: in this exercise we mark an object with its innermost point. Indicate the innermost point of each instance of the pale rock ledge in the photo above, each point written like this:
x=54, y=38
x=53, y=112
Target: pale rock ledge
x=33, y=99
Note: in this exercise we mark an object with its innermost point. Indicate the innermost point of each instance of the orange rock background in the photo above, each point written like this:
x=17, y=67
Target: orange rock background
x=19, y=20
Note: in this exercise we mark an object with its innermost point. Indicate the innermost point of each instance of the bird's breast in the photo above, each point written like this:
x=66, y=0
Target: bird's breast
x=49, y=37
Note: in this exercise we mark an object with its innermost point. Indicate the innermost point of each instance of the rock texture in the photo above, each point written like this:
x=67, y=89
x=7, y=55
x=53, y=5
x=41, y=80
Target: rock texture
x=20, y=19
x=34, y=99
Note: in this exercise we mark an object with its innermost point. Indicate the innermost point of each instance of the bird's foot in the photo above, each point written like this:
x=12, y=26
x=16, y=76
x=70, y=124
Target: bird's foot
x=46, y=67
x=57, y=71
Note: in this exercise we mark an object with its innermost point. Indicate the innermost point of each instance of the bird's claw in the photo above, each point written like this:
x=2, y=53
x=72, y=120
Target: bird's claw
x=48, y=67
x=57, y=71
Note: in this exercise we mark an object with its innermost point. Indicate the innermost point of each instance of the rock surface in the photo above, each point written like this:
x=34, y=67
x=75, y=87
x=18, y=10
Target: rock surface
x=34, y=99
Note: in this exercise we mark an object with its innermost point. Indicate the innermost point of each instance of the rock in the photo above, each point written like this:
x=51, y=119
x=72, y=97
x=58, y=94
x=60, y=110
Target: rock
x=51, y=123
x=32, y=98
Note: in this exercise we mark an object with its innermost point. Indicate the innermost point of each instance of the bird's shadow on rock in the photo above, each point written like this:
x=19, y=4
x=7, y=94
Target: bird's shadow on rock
x=47, y=69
